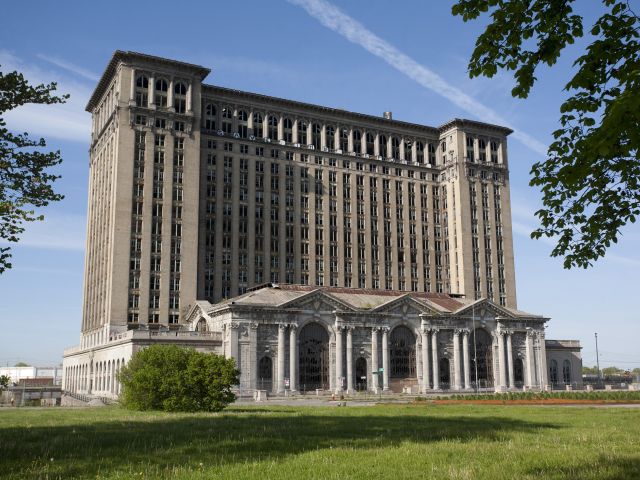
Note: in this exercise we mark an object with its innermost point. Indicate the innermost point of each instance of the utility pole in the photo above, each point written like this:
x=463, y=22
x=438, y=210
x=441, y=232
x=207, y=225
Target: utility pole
x=597, y=358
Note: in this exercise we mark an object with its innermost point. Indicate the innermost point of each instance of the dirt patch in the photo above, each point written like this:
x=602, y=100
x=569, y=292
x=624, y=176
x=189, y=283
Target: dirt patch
x=546, y=401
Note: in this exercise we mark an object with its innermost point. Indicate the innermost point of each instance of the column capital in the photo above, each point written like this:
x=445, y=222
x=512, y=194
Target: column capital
x=385, y=329
x=465, y=331
x=254, y=325
x=457, y=331
x=531, y=333
x=234, y=325
x=282, y=326
x=426, y=329
x=293, y=327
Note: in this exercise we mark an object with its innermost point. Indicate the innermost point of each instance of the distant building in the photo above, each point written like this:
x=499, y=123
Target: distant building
x=17, y=374
x=200, y=194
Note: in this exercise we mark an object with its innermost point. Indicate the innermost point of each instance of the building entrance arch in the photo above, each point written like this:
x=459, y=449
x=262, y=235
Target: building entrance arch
x=482, y=357
x=402, y=358
x=361, y=374
x=313, y=357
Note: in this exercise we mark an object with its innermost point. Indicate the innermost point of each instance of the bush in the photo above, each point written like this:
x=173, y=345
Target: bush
x=172, y=378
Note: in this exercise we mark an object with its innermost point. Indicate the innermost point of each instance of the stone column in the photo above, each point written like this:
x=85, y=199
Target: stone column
x=501, y=359
x=465, y=359
x=542, y=359
x=170, y=96
x=132, y=94
x=350, y=388
x=425, y=361
x=339, y=371
x=529, y=359
x=434, y=353
x=293, y=357
x=456, y=359
x=189, y=97
x=152, y=91
x=385, y=358
x=510, y=359
x=281, y=340
x=374, y=358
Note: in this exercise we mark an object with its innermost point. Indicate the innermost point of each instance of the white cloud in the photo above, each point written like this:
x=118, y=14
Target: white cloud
x=335, y=19
x=66, y=121
x=58, y=62
x=56, y=232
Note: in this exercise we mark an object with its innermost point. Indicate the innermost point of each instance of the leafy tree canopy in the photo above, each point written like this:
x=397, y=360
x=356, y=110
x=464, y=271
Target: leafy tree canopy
x=24, y=181
x=22, y=364
x=171, y=378
x=4, y=382
x=590, y=180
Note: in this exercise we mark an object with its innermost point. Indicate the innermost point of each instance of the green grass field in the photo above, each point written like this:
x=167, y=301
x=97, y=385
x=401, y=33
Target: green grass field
x=387, y=441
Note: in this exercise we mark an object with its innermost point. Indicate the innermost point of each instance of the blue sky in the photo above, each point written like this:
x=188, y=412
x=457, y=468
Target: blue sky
x=368, y=56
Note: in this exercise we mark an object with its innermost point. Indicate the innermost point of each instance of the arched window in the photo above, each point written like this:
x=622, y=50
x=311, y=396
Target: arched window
x=402, y=353
x=316, y=135
x=494, y=151
x=471, y=155
x=432, y=154
x=566, y=372
x=162, y=87
x=287, y=124
x=210, y=114
x=553, y=372
x=395, y=148
x=419, y=152
x=344, y=140
x=330, y=137
x=370, y=139
x=227, y=115
x=302, y=132
x=482, y=149
x=142, y=91
x=272, y=126
x=243, y=129
x=383, y=146
x=257, y=125
x=201, y=326
x=357, y=141
x=408, y=154
x=180, y=97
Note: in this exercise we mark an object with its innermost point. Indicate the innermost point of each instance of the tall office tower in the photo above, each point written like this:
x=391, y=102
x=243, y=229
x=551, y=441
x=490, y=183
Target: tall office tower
x=203, y=192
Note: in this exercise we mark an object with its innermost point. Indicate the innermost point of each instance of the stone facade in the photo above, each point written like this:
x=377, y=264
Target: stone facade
x=199, y=193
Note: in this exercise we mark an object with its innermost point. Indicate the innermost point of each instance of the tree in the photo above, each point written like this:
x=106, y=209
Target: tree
x=24, y=181
x=589, y=370
x=172, y=378
x=4, y=382
x=21, y=364
x=590, y=180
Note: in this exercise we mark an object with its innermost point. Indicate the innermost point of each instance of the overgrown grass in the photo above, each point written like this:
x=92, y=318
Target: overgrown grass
x=607, y=395
x=389, y=441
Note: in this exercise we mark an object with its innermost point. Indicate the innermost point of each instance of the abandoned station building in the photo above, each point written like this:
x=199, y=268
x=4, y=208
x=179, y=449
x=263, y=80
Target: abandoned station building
x=320, y=248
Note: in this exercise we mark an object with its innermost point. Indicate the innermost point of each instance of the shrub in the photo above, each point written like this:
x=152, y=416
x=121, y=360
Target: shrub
x=171, y=378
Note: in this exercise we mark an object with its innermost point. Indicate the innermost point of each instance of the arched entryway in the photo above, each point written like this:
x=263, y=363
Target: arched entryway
x=265, y=373
x=518, y=372
x=482, y=350
x=314, y=357
x=402, y=358
x=361, y=374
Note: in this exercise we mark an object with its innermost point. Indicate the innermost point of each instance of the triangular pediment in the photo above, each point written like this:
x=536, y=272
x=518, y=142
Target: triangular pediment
x=484, y=308
x=404, y=305
x=317, y=301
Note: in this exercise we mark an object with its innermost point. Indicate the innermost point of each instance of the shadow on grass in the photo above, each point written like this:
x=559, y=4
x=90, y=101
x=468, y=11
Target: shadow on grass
x=126, y=444
x=609, y=467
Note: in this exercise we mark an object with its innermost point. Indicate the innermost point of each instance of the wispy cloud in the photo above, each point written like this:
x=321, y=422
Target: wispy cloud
x=56, y=232
x=66, y=121
x=335, y=19
x=58, y=62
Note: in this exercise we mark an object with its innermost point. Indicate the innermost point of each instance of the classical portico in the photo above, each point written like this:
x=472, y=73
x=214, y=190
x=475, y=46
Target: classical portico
x=344, y=340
